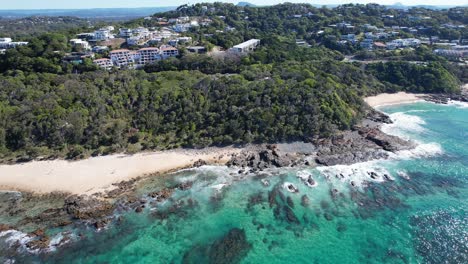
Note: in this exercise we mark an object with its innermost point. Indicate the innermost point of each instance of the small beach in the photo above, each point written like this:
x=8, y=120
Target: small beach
x=97, y=174
x=390, y=99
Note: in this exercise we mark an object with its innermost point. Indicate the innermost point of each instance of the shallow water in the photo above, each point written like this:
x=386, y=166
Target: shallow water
x=414, y=211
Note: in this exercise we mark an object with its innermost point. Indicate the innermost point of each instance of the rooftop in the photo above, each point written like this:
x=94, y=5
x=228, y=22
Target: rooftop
x=247, y=43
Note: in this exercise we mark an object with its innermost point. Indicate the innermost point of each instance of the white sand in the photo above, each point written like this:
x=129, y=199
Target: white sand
x=97, y=174
x=396, y=98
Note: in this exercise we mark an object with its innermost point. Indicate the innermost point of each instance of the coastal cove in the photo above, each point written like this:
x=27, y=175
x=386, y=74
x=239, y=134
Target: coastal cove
x=257, y=213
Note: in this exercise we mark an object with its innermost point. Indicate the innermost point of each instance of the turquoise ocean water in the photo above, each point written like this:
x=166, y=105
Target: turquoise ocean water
x=414, y=212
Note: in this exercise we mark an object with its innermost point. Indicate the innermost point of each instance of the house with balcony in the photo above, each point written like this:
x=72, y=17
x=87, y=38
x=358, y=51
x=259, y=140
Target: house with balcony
x=148, y=55
x=82, y=44
x=104, y=63
x=123, y=58
x=168, y=51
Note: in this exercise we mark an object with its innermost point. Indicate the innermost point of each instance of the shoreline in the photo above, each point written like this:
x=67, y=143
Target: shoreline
x=99, y=174
x=385, y=99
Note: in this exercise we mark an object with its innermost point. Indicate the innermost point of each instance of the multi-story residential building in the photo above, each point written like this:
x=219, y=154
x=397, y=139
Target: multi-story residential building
x=125, y=33
x=123, y=57
x=245, y=47
x=102, y=34
x=148, y=55
x=168, y=51
x=104, y=63
x=182, y=27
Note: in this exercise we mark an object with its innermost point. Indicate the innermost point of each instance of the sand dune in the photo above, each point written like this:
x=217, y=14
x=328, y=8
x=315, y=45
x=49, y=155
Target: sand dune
x=98, y=173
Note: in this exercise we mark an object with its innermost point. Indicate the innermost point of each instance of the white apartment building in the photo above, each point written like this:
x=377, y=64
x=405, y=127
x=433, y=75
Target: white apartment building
x=168, y=51
x=104, y=63
x=123, y=57
x=80, y=43
x=7, y=43
x=148, y=55
x=245, y=47
x=125, y=33
x=102, y=34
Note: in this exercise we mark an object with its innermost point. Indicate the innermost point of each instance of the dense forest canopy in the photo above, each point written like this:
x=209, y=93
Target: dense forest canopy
x=280, y=92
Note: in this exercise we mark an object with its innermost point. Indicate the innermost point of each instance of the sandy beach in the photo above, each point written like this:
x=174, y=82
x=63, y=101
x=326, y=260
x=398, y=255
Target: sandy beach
x=396, y=98
x=98, y=173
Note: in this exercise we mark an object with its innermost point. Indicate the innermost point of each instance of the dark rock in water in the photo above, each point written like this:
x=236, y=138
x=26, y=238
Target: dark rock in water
x=39, y=232
x=328, y=216
x=272, y=197
x=185, y=186
x=324, y=204
x=290, y=216
x=255, y=199
x=199, y=163
x=341, y=227
x=161, y=195
x=139, y=209
x=334, y=193
x=387, y=177
x=290, y=202
x=230, y=249
x=305, y=201
x=39, y=244
x=373, y=175
x=101, y=224
x=84, y=207
x=378, y=117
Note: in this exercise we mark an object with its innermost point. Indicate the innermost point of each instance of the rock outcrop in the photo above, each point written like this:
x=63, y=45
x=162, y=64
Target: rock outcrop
x=85, y=207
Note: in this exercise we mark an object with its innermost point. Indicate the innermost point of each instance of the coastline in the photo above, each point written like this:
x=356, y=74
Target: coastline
x=103, y=173
x=100, y=174
x=392, y=99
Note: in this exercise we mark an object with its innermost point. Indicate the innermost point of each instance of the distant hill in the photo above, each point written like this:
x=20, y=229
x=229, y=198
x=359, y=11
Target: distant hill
x=97, y=13
x=245, y=4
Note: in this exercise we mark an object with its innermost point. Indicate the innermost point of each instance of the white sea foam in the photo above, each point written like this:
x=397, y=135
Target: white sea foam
x=404, y=125
x=420, y=151
x=15, y=237
x=356, y=174
x=304, y=175
x=458, y=104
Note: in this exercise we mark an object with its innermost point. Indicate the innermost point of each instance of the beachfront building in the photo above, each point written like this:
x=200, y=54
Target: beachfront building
x=104, y=63
x=245, y=47
x=148, y=55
